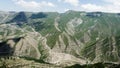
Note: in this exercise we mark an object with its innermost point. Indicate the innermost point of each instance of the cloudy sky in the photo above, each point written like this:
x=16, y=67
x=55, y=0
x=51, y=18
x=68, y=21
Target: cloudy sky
x=60, y=5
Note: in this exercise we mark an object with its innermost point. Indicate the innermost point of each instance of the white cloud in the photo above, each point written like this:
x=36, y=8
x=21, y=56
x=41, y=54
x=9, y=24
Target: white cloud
x=114, y=2
x=66, y=10
x=91, y=7
x=72, y=2
x=110, y=6
x=33, y=4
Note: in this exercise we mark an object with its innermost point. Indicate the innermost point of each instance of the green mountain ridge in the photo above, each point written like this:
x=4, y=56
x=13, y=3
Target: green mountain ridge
x=62, y=39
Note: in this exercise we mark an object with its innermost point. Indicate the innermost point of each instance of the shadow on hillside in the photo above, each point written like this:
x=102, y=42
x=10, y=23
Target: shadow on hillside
x=5, y=49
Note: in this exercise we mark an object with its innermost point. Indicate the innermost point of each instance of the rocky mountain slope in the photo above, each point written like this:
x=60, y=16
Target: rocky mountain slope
x=62, y=39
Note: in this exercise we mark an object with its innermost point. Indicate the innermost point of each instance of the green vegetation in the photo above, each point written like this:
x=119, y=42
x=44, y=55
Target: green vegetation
x=94, y=36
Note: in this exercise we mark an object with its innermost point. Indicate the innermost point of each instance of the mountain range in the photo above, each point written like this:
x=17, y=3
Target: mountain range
x=70, y=39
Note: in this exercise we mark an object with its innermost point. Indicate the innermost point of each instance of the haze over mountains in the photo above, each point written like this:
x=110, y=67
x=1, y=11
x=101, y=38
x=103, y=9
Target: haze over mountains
x=62, y=39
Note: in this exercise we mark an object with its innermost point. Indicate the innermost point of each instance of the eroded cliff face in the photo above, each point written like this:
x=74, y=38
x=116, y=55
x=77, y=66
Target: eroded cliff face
x=31, y=44
x=62, y=39
x=20, y=42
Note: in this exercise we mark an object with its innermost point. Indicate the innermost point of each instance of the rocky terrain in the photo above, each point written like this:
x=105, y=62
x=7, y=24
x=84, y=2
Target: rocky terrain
x=71, y=39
